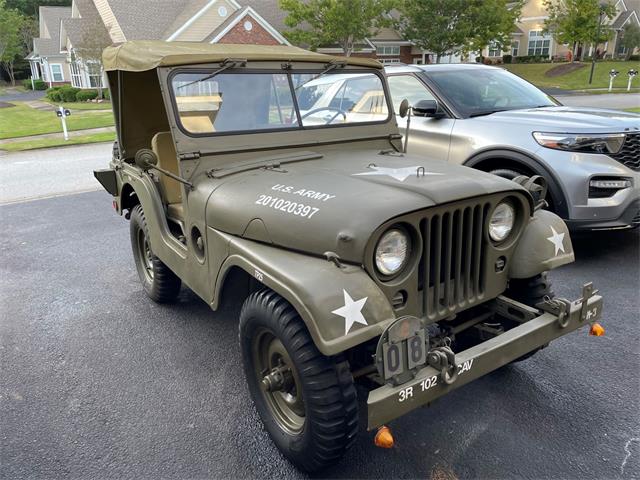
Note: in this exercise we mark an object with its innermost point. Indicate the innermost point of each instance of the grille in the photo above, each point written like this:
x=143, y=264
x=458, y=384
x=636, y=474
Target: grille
x=629, y=155
x=452, y=271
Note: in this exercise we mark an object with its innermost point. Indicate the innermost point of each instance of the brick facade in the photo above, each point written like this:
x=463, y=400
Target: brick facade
x=257, y=35
x=405, y=55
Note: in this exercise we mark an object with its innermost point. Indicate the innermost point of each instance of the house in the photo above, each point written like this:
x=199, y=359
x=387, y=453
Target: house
x=46, y=60
x=529, y=38
x=67, y=32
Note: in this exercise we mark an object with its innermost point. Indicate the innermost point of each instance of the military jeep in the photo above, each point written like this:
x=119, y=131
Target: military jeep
x=276, y=177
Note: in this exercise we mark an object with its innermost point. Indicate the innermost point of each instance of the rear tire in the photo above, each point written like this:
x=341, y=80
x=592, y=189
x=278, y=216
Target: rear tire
x=506, y=173
x=530, y=291
x=312, y=415
x=158, y=281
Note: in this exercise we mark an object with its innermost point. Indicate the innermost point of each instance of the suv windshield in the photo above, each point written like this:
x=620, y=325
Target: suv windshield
x=476, y=91
x=248, y=101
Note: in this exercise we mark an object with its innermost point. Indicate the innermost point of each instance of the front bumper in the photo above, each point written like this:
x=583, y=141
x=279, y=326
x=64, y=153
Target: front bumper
x=389, y=402
x=574, y=171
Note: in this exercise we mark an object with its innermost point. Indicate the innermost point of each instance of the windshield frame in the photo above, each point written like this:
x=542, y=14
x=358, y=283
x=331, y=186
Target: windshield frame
x=279, y=71
x=425, y=75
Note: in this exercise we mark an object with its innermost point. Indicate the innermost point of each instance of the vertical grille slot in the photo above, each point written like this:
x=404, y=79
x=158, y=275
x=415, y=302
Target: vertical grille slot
x=453, y=257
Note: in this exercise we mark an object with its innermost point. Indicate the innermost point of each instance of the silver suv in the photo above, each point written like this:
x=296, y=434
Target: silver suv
x=487, y=118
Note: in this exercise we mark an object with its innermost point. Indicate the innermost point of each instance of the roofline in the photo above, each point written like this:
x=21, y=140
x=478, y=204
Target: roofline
x=198, y=14
x=248, y=10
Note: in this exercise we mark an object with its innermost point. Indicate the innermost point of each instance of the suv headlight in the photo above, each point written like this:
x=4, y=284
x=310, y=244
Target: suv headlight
x=501, y=222
x=392, y=252
x=582, y=142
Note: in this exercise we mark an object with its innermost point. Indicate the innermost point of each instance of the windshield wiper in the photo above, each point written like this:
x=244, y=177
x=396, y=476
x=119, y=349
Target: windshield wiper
x=488, y=112
x=332, y=65
x=224, y=65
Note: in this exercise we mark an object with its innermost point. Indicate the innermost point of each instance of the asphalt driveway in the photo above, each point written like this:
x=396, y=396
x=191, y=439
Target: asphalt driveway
x=99, y=382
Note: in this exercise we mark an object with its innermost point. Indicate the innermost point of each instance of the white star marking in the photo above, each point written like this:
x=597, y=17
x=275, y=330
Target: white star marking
x=399, y=174
x=352, y=312
x=557, y=239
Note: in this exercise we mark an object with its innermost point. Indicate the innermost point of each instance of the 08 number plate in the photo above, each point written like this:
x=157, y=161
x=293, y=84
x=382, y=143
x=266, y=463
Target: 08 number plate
x=402, y=349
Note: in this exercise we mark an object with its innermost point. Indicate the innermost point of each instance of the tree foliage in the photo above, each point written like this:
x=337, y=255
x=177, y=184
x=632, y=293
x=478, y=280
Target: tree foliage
x=453, y=26
x=575, y=22
x=93, y=41
x=30, y=7
x=631, y=38
x=11, y=43
x=325, y=22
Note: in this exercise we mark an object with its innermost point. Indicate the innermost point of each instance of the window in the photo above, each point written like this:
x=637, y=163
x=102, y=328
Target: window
x=240, y=102
x=76, y=74
x=388, y=50
x=515, y=47
x=95, y=74
x=56, y=72
x=539, y=44
x=340, y=98
x=494, y=49
x=409, y=87
x=389, y=61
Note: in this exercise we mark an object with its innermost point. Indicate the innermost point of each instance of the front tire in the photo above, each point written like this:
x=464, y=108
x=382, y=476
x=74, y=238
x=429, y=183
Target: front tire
x=530, y=291
x=158, y=281
x=307, y=401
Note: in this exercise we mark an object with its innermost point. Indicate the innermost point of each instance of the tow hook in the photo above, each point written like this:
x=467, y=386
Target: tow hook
x=444, y=360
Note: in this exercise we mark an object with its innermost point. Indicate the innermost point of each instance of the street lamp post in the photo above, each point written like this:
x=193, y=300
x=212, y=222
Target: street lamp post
x=593, y=54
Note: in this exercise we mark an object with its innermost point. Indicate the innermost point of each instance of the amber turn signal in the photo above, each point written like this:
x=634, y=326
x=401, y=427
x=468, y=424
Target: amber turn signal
x=383, y=438
x=596, y=330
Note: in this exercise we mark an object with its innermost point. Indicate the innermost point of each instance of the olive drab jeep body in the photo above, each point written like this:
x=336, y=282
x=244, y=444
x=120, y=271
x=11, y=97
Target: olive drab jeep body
x=276, y=177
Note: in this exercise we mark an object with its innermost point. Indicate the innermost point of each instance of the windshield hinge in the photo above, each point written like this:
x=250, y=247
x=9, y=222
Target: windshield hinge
x=189, y=156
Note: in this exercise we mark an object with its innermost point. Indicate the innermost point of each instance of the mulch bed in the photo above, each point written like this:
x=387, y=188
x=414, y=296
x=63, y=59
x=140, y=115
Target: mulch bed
x=559, y=70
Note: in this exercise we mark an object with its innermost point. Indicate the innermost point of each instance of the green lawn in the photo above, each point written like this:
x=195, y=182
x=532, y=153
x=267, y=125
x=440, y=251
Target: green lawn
x=82, y=105
x=22, y=120
x=576, y=80
x=58, y=142
x=635, y=110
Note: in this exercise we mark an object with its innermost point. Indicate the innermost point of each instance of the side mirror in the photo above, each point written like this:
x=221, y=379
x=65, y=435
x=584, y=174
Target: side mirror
x=404, y=108
x=146, y=159
x=427, y=108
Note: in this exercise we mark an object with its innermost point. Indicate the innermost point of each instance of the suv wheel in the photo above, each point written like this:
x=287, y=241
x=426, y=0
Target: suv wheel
x=307, y=401
x=158, y=281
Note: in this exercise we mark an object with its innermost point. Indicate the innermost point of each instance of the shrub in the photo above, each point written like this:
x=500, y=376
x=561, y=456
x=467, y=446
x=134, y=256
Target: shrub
x=106, y=94
x=634, y=58
x=69, y=93
x=26, y=84
x=54, y=94
x=531, y=59
x=507, y=58
x=85, y=95
x=40, y=84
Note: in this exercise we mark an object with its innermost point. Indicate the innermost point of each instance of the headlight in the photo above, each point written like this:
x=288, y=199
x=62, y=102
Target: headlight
x=392, y=252
x=501, y=222
x=581, y=142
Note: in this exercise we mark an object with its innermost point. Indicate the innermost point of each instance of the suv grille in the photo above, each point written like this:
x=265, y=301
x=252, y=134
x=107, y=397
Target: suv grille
x=452, y=271
x=629, y=155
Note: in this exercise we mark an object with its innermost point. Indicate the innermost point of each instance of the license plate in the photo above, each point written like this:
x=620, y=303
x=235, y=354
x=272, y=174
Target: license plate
x=404, y=355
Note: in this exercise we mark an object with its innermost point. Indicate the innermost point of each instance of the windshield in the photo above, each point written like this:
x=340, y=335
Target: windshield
x=247, y=101
x=475, y=91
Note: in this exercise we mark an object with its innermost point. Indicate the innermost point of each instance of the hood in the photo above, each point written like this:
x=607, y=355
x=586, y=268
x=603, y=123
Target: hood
x=335, y=201
x=567, y=119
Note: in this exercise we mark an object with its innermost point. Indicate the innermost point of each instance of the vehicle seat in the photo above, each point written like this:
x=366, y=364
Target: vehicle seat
x=171, y=190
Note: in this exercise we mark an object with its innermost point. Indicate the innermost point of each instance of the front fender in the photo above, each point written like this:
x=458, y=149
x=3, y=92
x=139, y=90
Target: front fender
x=315, y=288
x=544, y=245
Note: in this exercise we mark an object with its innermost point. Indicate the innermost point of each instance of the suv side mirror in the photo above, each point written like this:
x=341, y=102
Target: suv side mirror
x=427, y=108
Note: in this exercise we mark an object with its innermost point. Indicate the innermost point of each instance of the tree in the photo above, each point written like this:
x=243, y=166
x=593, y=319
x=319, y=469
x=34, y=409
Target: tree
x=491, y=22
x=11, y=46
x=93, y=41
x=575, y=22
x=439, y=26
x=630, y=38
x=324, y=22
x=30, y=7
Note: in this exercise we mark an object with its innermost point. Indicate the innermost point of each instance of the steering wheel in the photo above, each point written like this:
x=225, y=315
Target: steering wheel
x=332, y=109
